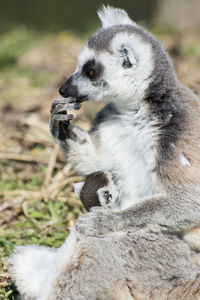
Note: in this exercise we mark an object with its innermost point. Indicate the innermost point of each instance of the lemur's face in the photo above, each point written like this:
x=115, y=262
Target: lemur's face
x=115, y=65
x=98, y=189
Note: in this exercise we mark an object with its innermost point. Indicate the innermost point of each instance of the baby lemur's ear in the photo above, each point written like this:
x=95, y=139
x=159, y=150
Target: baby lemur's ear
x=111, y=16
x=77, y=188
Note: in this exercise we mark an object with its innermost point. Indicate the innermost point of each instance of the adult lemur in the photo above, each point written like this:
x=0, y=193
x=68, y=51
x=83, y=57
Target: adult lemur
x=147, y=136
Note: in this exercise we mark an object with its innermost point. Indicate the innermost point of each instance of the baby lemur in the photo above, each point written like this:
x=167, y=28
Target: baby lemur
x=147, y=136
x=98, y=189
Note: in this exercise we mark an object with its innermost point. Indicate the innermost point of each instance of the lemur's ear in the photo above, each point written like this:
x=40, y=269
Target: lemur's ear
x=129, y=56
x=110, y=16
x=77, y=188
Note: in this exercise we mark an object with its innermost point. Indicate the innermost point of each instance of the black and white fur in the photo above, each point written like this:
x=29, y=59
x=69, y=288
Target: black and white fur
x=148, y=138
x=98, y=189
x=139, y=136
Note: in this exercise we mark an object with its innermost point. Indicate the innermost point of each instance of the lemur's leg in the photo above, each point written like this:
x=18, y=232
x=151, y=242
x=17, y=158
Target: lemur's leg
x=77, y=144
x=167, y=213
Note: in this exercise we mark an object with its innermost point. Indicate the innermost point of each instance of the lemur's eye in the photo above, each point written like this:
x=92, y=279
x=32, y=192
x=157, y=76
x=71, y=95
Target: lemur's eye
x=91, y=73
x=108, y=196
x=92, y=69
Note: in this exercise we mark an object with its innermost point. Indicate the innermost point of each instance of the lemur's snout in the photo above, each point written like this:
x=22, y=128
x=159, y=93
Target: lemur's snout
x=68, y=89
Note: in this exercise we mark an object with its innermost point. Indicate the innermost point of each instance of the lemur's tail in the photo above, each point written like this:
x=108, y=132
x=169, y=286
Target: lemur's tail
x=34, y=268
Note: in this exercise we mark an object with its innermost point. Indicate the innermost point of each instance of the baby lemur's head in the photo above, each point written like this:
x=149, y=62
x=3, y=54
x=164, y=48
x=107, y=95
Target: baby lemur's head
x=98, y=189
x=119, y=63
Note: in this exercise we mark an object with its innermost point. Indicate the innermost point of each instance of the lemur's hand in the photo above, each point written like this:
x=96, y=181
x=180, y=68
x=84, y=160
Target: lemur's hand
x=60, y=120
x=99, y=221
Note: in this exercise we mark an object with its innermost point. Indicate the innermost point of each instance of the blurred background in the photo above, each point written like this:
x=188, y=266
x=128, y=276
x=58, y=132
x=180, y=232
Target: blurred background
x=39, y=42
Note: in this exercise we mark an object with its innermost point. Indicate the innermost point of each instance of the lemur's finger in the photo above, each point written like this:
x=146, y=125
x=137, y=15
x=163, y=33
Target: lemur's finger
x=55, y=102
x=60, y=108
x=76, y=105
x=63, y=117
x=61, y=105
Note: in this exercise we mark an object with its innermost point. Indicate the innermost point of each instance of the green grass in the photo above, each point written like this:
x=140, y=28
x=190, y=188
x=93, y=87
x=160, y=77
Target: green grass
x=12, y=184
x=45, y=224
x=13, y=43
x=10, y=294
x=32, y=221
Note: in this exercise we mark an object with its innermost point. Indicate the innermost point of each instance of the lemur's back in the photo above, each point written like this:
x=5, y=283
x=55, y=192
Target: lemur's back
x=139, y=265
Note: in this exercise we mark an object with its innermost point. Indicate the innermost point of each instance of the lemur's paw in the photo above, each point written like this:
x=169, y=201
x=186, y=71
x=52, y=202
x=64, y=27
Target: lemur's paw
x=66, y=103
x=59, y=119
x=96, y=223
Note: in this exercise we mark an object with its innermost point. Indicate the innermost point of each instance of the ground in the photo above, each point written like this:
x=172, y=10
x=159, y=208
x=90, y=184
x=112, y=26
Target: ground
x=37, y=203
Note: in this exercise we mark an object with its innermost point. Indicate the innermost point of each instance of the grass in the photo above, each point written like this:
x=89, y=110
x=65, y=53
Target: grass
x=24, y=93
x=43, y=224
x=13, y=43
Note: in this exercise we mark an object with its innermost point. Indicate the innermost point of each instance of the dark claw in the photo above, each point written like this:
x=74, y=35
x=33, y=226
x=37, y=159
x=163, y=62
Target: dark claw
x=55, y=102
x=64, y=118
x=64, y=132
x=77, y=105
x=59, y=105
x=61, y=108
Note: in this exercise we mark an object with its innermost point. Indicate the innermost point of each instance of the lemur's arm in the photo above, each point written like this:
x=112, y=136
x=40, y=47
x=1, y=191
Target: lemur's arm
x=76, y=144
x=171, y=215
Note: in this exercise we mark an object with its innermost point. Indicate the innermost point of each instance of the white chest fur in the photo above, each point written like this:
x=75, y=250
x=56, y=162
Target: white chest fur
x=128, y=149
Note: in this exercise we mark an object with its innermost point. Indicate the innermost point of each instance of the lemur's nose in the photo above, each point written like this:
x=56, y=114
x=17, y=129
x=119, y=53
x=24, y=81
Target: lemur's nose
x=68, y=89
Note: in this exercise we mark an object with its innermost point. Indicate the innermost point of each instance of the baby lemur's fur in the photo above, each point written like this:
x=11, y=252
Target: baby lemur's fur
x=88, y=192
x=98, y=189
x=147, y=136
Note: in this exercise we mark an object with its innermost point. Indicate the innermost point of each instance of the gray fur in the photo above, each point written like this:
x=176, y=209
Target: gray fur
x=167, y=117
x=151, y=265
x=139, y=138
x=142, y=264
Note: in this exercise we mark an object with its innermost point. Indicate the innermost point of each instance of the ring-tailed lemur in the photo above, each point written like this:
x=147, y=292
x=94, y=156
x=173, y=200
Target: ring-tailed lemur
x=98, y=189
x=145, y=264
x=147, y=136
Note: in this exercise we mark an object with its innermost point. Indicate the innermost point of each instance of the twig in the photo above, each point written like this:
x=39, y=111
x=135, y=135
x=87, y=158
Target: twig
x=51, y=165
x=59, y=185
x=7, y=204
x=63, y=173
x=71, y=201
x=39, y=195
x=23, y=157
x=5, y=275
x=25, y=211
x=32, y=139
x=14, y=193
